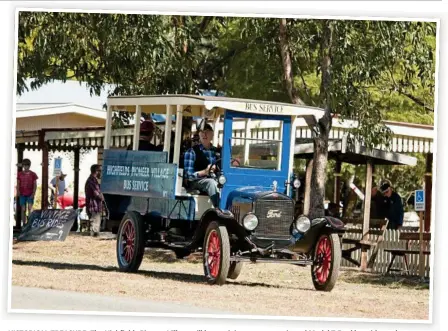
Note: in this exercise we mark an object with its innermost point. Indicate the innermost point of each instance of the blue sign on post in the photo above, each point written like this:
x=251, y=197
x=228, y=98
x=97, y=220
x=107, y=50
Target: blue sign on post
x=419, y=202
x=57, y=166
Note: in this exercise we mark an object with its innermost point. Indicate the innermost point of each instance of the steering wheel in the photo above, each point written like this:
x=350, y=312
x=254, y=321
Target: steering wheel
x=217, y=168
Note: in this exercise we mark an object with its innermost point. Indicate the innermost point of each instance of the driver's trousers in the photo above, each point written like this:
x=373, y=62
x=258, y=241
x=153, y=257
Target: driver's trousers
x=209, y=186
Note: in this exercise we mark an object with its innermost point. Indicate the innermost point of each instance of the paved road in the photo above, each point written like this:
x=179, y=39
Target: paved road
x=45, y=299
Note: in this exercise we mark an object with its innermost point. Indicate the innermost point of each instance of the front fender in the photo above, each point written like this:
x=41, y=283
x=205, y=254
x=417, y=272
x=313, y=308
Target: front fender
x=224, y=217
x=319, y=226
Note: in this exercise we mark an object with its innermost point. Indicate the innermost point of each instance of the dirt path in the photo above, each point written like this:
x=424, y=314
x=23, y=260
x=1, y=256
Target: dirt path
x=89, y=265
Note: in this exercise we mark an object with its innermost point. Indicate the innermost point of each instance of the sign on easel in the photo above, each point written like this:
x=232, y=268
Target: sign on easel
x=57, y=166
x=419, y=202
x=48, y=225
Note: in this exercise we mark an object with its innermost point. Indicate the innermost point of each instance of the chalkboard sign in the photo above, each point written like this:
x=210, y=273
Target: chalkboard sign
x=46, y=225
x=138, y=173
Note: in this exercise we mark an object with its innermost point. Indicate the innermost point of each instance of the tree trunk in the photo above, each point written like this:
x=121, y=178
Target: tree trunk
x=318, y=176
x=285, y=54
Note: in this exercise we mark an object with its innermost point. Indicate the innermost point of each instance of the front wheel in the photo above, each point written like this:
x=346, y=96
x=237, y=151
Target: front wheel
x=216, y=254
x=327, y=261
x=130, y=242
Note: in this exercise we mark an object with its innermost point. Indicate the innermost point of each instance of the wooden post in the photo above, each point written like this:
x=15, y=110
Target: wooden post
x=421, y=258
x=44, y=193
x=366, y=223
x=56, y=194
x=428, y=191
x=76, y=180
x=20, y=150
x=306, y=202
x=337, y=183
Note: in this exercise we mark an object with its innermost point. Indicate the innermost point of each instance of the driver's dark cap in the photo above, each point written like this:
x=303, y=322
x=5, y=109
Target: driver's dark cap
x=206, y=127
x=384, y=187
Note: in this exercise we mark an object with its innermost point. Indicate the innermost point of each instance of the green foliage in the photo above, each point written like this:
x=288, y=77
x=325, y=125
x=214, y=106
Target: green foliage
x=379, y=69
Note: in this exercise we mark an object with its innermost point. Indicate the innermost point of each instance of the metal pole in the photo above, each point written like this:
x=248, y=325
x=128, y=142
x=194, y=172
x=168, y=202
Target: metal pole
x=421, y=261
x=428, y=191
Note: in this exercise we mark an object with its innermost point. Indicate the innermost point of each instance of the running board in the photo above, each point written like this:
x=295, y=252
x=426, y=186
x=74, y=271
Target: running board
x=267, y=260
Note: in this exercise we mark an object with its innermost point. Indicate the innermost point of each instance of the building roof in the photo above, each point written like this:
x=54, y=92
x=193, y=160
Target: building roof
x=24, y=110
x=349, y=153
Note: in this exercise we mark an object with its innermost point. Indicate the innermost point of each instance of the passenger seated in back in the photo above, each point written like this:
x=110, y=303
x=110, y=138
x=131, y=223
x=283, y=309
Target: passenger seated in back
x=197, y=163
x=146, y=135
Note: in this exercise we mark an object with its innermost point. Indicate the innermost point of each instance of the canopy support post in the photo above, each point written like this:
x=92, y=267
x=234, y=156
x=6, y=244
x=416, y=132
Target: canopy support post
x=178, y=137
x=306, y=203
x=138, y=115
x=108, y=129
x=168, y=126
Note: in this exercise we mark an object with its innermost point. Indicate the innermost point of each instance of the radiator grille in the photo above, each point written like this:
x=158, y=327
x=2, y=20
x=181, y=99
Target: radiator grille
x=274, y=217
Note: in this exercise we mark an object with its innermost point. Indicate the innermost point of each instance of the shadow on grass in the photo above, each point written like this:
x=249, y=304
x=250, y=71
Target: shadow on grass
x=183, y=277
x=392, y=281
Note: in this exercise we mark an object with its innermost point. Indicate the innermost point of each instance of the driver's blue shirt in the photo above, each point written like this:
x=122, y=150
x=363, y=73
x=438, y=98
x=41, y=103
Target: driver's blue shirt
x=190, y=158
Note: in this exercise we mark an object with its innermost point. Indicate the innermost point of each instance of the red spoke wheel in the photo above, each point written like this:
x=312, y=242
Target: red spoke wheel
x=327, y=261
x=216, y=253
x=130, y=242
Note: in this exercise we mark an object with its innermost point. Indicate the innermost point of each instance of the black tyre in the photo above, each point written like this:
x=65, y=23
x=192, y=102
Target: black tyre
x=130, y=242
x=235, y=269
x=216, y=254
x=327, y=261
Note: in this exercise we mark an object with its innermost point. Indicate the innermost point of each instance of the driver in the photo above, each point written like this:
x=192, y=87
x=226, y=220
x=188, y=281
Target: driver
x=198, y=162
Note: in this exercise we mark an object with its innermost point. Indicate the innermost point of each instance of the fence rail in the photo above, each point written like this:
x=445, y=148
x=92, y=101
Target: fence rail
x=383, y=258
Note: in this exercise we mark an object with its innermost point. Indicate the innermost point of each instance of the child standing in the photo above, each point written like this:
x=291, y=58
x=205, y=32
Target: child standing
x=26, y=182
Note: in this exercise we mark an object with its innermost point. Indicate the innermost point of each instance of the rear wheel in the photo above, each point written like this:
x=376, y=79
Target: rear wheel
x=235, y=269
x=216, y=254
x=327, y=261
x=130, y=242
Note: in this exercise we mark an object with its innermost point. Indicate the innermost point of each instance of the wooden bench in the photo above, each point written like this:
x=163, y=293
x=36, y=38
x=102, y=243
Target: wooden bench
x=409, y=237
x=369, y=241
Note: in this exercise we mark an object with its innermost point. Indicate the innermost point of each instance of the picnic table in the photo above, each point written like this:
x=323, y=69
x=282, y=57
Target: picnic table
x=410, y=238
x=368, y=241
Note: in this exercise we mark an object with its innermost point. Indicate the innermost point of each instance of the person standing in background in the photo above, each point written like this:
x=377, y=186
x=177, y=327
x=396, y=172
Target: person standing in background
x=27, y=185
x=94, y=199
x=393, y=206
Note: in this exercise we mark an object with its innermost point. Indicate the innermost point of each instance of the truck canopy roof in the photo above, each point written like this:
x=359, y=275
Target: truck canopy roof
x=211, y=106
